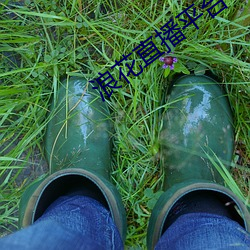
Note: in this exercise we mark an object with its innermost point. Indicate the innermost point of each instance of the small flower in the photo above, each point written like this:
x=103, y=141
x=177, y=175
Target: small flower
x=169, y=61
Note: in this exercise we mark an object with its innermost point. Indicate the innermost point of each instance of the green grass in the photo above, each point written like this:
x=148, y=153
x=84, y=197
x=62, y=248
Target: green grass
x=52, y=40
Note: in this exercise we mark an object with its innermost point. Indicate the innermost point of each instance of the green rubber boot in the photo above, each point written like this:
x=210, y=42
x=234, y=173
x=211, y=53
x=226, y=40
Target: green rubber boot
x=198, y=123
x=78, y=149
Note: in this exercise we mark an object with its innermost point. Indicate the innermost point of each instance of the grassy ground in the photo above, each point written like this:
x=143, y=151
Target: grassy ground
x=48, y=40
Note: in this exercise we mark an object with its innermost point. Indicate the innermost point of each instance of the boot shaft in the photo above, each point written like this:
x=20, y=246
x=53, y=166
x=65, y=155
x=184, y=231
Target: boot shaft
x=79, y=132
x=197, y=122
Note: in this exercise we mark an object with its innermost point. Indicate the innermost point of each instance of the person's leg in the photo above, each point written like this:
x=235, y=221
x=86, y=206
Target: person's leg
x=197, y=137
x=204, y=231
x=78, y=149
x=71, y=222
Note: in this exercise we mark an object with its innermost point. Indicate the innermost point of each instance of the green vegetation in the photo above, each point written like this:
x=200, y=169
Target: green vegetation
x=45, y=41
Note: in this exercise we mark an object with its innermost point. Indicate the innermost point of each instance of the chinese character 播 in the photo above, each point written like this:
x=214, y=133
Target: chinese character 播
x=172, y=33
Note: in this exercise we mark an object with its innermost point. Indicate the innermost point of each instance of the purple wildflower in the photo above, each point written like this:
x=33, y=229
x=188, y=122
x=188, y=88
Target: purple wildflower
x=168, y=61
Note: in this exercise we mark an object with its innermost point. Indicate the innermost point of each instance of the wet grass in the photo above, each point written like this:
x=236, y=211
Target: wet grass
x=43, y=42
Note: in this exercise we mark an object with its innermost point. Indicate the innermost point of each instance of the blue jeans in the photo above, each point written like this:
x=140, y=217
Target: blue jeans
x=204, y=231
x=80, y=222
x=76, y=222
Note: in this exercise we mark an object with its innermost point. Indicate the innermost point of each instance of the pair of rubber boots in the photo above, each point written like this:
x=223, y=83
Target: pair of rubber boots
x=197, y=127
